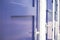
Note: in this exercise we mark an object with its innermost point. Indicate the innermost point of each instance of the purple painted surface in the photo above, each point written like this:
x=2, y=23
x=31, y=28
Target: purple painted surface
x=17, y=28
x=49, y=19
x=20, y=27
x=49, y=13
x=50, y=4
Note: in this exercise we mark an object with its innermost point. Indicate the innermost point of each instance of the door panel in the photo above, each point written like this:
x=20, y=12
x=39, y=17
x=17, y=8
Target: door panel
x=19, y=7
x=18, y=28
x=17, y=19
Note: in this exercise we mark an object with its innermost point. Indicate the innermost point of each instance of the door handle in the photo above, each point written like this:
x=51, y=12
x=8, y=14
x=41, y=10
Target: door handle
x=33, y=3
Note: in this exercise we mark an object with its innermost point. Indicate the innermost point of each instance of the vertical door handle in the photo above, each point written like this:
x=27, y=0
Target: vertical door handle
x=33, y=3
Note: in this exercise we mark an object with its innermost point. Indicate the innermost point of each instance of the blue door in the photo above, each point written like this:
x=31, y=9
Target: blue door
x=17, y=19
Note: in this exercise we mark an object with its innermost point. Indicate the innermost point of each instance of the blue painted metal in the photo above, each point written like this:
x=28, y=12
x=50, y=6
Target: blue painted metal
x=33, y=3
x=33, y=38
x=48, y=15
x=37, y=15
x=18, y=18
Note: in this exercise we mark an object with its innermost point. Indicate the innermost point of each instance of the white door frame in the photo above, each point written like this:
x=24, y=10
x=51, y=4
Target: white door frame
x=42, y=19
